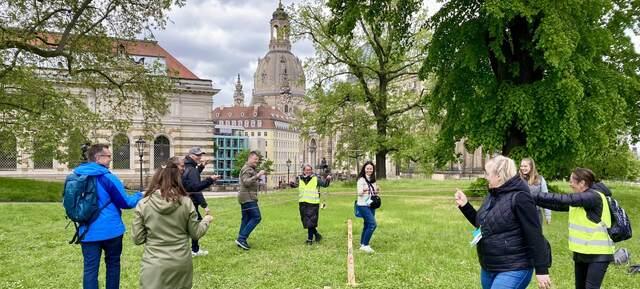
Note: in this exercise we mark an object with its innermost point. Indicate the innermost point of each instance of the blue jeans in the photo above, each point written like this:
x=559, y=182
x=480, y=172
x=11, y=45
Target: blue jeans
x=518, y=279
x=369, y=216
x=91, y=252
x=250, y=219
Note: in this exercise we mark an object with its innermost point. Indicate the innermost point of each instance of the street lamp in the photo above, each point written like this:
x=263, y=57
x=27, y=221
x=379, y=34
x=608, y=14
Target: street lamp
x=140, y=147
x=288, y=167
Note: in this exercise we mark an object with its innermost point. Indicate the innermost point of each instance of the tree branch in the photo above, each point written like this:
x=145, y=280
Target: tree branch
x=67, y=31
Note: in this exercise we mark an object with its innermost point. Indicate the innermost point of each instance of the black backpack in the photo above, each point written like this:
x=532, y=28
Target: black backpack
x=620, y=226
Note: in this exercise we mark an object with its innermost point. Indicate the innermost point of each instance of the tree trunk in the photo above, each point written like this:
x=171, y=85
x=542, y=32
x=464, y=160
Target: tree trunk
x=381, y=164
x=515, y=138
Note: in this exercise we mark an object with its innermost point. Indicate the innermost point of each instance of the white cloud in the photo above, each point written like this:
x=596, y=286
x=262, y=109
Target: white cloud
x=217, y=39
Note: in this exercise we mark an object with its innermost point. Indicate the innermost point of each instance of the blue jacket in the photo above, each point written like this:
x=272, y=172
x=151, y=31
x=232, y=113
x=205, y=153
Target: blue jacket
x=109, y=223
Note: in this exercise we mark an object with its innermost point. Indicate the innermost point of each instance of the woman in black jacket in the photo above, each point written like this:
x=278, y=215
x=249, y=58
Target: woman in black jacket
x=589, y=218
x=510, y=244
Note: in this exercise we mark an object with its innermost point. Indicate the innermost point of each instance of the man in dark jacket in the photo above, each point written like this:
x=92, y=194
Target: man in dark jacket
x=193, y=166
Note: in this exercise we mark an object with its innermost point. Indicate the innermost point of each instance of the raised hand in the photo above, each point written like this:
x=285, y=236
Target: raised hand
x=461, y=198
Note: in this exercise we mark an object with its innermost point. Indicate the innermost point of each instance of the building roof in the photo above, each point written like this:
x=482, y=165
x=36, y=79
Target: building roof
x=152, y=48
x=267, y=114
x=139, y=48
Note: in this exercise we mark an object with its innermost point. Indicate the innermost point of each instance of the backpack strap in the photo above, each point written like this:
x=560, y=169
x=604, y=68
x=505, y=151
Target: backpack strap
x=77, y=238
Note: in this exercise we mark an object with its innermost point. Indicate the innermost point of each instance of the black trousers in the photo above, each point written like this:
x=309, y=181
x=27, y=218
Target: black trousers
x=590, y=275
x=195, y=246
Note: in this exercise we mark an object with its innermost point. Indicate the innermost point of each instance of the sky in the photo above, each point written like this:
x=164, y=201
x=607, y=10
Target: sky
x=219, y=39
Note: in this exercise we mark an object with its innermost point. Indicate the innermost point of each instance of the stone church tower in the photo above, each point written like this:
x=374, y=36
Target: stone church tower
x=238, y=94
x=279, y=79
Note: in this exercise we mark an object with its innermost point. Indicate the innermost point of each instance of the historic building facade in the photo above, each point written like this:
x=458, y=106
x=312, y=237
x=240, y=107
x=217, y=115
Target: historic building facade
x=188, y=123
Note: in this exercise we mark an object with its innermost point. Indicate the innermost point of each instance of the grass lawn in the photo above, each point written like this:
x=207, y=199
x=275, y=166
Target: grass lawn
x=22, y=190
x=421, y=242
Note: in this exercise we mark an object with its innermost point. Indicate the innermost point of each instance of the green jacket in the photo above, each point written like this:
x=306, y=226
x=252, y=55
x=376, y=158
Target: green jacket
x=166, y=229
x=248, y=184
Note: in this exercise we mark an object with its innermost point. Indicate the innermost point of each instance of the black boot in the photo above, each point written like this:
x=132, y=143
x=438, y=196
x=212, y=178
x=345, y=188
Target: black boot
x=318, y=237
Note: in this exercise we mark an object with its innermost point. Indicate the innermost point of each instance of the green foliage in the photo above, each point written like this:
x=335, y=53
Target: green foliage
x=555, y=188
x=478, y=188
x=437, y=255
x=57, y=54
x=241, y=159
x=364, y=75
x=617, y=162
x=553, y=80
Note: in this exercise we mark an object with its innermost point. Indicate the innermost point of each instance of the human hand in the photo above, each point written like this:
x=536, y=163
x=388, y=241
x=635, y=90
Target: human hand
x=214, y=177
x=207, y=219
x=548, y=221
x=461, y=198
x=261, y=173
x=544, y=282
x=328, y=177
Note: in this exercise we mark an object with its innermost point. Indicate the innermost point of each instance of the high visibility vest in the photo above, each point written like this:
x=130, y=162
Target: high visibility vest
x=587, y=237
x=308, y=193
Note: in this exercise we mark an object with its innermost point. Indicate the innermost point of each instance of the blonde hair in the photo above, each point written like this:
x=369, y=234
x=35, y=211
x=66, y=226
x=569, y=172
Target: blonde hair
x=503, y=167
x=532, y=178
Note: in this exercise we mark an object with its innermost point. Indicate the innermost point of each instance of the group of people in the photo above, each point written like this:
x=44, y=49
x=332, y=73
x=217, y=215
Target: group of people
x=508, y=237
x=508, y=234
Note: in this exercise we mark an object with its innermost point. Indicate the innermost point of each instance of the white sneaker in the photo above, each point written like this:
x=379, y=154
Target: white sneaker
x=366, y=249
x=199, y=253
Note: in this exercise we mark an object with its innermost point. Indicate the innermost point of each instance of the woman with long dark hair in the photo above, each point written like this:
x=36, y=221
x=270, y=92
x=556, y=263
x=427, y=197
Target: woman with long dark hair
x=367, y=192
x=165, y=221
x=589, y=218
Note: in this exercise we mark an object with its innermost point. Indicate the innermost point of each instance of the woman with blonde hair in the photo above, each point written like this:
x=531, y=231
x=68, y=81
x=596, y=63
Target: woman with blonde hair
x=508, y=234
x=537, y=184
x=165, y=221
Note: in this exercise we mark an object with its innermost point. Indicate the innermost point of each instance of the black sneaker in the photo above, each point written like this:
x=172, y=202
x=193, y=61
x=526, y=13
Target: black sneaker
x=242, y=244
x=318, y=237
x=309, y=242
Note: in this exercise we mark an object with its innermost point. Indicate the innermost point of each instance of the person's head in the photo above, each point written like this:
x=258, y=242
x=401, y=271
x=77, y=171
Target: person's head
x=368, y=171
x=195, y=153
x=99, y=153
x=307, y=170
x=253, y=158
x=528, y=171
x=581, y=179
x=168, y=180
x=499, y=170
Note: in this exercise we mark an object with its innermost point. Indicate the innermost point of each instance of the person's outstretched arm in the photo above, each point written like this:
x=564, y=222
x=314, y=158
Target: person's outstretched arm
x=138, y=231
x=119, y=197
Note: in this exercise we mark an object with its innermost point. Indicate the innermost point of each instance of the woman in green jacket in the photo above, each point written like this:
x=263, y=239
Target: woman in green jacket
x=165, y=221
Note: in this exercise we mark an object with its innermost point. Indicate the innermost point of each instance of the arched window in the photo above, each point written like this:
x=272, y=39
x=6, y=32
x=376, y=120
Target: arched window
x=121, y=150
x=8, y=151
x=42, y=155
x=161, y=150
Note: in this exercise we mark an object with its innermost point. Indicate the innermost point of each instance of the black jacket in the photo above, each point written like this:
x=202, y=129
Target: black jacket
x=511, y=232
x=590, y=200
x=192, y=183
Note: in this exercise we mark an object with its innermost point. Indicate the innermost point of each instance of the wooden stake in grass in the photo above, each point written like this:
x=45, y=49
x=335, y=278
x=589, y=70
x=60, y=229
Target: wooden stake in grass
x=351, y=273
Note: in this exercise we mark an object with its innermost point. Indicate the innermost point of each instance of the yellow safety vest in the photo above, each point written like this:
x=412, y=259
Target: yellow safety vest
x=587, y=237
x=308, y=193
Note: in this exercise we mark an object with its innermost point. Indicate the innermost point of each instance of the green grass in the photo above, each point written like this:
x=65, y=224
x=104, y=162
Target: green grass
x=23, y=190
x=421, y=242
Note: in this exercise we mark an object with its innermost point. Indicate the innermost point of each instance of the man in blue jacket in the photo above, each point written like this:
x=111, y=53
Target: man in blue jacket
x=105, y=233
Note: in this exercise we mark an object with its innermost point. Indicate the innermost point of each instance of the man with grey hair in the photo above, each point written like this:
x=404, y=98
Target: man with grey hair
x=309, y=200
x=248, y=199
x=193, y=166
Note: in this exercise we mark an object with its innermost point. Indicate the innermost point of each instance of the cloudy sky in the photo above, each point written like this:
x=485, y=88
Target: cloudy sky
x=217, y=39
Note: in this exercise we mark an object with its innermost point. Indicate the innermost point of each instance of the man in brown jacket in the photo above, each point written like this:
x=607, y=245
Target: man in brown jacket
x=248, y=199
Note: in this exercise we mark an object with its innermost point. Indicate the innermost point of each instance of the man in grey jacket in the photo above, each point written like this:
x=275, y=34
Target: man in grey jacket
x=248, y=199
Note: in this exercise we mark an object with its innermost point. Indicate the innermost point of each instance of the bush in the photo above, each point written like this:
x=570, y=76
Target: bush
x=479, y=188
x=555, y=189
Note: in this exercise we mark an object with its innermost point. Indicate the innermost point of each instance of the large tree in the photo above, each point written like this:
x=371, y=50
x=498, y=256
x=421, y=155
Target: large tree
x=555, y=80
x=367, y=54
x=52, y=52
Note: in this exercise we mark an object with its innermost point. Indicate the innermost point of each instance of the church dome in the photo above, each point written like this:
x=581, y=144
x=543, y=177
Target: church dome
x=278, y=70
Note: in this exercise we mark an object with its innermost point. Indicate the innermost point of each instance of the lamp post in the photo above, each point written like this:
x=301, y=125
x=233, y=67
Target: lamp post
x=288, y=168
x=140, y=147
